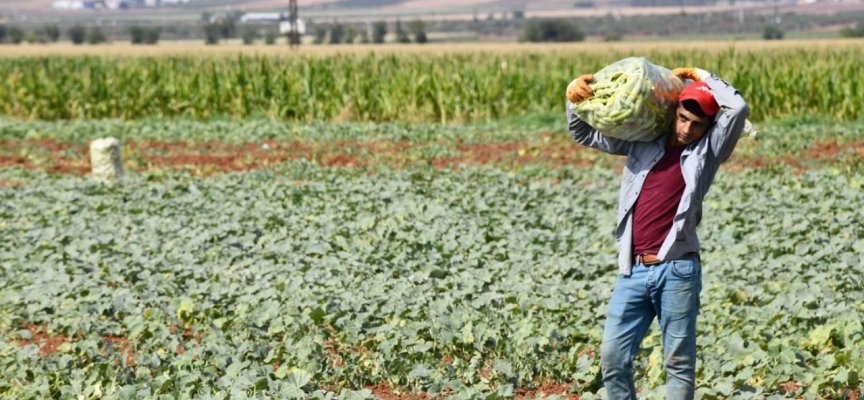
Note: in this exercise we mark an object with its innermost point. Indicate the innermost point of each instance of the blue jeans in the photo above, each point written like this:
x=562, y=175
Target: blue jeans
x=670, y=291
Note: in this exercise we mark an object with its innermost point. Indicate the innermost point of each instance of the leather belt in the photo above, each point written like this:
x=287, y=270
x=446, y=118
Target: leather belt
x=651, y=259
x=646, y=259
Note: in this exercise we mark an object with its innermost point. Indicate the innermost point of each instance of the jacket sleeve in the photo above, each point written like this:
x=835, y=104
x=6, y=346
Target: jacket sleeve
x=586, y=135
x=728, y=126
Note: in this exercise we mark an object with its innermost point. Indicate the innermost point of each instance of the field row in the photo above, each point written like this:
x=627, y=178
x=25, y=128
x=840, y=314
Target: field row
x=778, y=82
x=196, y=147
x=474, y=283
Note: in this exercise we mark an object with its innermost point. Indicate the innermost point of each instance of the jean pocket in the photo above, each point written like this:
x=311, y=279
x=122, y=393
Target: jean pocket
x=684, y=269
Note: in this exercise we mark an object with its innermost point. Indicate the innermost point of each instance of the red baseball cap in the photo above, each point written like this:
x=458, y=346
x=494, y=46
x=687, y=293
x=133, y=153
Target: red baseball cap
x=701, y=94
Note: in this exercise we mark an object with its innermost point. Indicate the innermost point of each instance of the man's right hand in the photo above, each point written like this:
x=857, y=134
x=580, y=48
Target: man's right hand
x=578, y=90
x=694, y=74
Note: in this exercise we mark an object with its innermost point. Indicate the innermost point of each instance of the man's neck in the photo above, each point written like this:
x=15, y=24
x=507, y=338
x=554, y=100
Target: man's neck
x=673, y=141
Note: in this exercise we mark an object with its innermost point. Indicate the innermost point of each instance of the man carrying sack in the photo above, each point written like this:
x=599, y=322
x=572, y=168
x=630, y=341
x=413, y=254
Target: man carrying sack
x=659, y=210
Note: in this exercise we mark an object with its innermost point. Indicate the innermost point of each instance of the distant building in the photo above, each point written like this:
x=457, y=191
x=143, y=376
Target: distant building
x=79, y=4
x=111, y=4
x=68, y=5
x=273, y=17
x=667, y=3
x=262, y=17
x=285, y=27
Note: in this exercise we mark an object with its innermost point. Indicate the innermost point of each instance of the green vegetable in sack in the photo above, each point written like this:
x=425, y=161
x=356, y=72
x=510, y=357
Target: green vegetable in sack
x=633, y=100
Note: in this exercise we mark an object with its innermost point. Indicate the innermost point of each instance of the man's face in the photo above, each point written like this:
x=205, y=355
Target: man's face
x=689, y=127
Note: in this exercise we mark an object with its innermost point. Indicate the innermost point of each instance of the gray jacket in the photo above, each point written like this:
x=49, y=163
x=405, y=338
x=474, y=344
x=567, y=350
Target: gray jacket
x=699, y=164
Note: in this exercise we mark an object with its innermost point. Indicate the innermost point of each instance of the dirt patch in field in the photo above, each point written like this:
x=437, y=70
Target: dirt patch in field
x=791, y=386
x=794, y=386
x=12, y=161
x=39, y=336
x=45, y=154
x=818, y=155
x=547, y=389
x=11, y=183
x=123, y=344
x=388, y=391
x=392, y=392
x=205, y=158
x=49, y=343
x=209, y=157
x=830, y=150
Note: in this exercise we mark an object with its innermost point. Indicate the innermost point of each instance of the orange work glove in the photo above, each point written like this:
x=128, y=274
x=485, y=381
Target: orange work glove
x=578, y=90
x=694, y=74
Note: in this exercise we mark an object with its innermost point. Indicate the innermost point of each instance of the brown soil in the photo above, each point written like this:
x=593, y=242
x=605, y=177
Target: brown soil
x=12, y=161
x=211, y=157
x=388, y=392
x=11, y=183
x=47, y=342
x=820, y=153
x=331, y=348
x=55, y=151
x=590, y=352
x=124, y=347
x=205, y=158
x=791, y=386
x=547, y=389
x=188, y=334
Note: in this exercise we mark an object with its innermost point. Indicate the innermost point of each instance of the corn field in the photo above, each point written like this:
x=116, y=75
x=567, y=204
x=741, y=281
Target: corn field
x=409, y=87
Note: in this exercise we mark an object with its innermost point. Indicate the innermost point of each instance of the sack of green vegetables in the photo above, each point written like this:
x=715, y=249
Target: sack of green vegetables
x=633, y=100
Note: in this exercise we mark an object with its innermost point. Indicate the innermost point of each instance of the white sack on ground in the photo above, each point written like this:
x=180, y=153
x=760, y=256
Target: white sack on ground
x=105, y=159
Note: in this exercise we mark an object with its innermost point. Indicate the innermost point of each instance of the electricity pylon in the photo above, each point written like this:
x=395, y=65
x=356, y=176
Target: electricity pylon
x=294, y=35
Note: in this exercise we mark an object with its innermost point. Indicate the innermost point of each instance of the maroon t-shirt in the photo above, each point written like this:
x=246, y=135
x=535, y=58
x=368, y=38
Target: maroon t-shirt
x=657, y=204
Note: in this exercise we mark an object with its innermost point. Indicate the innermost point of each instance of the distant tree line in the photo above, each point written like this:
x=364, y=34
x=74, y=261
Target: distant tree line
x=251, y=34
x=772, y=32
x=856, y=32
x=79, y=34
x=226, y=27
x=611, y=26
x=16, y=35
x=145, y=35
x=552, y=30
x=215, y=29
x=375, y=33
x=219, y=30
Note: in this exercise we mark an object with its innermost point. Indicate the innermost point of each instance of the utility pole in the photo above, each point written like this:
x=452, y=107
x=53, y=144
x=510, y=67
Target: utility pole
x=294, y=35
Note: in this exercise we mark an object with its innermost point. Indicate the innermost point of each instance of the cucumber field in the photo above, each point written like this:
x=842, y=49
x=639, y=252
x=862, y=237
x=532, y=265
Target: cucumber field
x=417, y=226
